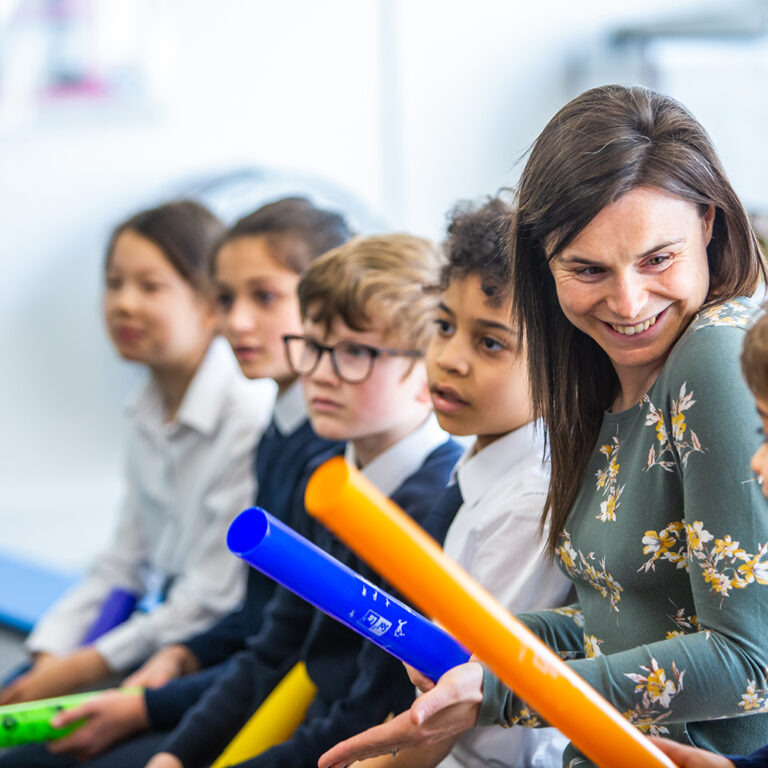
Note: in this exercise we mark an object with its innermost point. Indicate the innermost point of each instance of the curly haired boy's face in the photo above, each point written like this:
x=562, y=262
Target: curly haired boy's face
x=478, y=377
x=373, y=414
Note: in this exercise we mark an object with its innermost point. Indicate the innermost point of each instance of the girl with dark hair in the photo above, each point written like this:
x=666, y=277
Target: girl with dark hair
x=633, y=261
x=191, y=435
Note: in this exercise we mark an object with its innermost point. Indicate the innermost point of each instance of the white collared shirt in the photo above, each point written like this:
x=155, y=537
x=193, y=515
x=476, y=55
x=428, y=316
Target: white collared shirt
x=495, y=537
x=290, y=409
x=391, y=468
x=186, y=480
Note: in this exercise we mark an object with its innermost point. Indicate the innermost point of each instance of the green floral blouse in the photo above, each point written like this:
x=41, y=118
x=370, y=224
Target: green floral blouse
x=667, y=545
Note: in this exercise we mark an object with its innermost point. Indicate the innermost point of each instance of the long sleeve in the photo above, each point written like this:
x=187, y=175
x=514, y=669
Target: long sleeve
x=63, y=627
x=380, y=688
x=211, y=581
x=211, y=724
x=679, y=559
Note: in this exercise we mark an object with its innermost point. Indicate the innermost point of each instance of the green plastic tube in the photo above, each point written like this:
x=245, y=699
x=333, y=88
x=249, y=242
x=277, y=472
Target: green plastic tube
x=30, y=722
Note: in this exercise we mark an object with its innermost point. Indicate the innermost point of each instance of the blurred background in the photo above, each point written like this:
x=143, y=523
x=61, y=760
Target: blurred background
x=390, y=109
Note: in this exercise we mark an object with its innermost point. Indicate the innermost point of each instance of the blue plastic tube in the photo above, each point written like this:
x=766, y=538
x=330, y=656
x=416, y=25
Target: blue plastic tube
x=278, y=551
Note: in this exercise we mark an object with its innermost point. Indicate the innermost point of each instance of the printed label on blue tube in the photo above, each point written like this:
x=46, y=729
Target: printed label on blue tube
x=278, y=551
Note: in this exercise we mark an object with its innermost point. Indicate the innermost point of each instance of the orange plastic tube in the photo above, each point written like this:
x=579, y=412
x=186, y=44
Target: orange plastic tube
x=383, y=535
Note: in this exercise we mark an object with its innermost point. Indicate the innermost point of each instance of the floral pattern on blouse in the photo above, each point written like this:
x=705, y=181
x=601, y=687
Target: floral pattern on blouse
x=590, y=569
x=657, y=691
x=607, y=481
x=730, y=313
x=726, y=565
x=668, y=544
x=684, y=446
x=754, y=699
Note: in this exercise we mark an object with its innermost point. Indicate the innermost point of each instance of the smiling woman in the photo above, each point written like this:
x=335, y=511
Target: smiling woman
x=631, y=254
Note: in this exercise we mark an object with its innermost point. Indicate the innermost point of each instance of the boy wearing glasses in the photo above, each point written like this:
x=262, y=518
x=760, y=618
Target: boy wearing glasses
x=367, y=319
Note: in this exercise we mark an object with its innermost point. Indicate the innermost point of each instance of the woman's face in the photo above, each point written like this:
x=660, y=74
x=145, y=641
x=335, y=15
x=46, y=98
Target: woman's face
x=634, y=277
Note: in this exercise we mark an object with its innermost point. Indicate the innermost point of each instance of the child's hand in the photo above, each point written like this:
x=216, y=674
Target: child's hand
x=164, y=760
x=446, y=710
x=109, y=718
x=57, y=675
x=166, y=665
x=690, y=757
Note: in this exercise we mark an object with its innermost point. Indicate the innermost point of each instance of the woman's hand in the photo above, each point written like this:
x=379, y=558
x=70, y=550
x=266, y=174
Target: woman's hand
x=164, y=760
x=446, y=710
x=691, y=757
x=166, y=665
x=108, y=718
x=57, y=675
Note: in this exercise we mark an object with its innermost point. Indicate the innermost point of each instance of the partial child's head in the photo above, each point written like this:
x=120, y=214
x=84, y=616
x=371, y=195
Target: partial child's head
x=155, y=302
x=256, y=268
x=754, y=364
x=368, y=301
x=477, y=370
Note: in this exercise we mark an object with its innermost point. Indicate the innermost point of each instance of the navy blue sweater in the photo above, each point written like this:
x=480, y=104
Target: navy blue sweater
x=358, y=683
x=281, y=463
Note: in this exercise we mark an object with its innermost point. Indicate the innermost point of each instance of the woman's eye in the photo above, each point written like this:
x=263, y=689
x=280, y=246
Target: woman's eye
x=444, y=328
x=151, y=287
x=113, y=283
x=658, y=259
x=589, y=271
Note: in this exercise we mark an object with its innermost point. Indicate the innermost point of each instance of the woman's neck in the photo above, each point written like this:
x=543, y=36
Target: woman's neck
x=633, y=384
x=174, y=380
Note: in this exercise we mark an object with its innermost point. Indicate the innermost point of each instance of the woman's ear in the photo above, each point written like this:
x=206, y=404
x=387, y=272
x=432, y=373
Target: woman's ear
x=709, y=221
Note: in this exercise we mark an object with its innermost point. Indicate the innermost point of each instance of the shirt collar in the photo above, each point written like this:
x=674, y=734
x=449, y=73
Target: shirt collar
x=390, y=469
x=477, y=472
x=204, y=399
x=290, y=409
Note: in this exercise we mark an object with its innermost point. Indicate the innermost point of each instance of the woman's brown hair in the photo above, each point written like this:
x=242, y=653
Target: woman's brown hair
x=598, y=147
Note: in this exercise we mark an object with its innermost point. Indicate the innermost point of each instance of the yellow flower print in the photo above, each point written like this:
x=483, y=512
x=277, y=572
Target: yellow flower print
x=657, y=691
x=592, y=646
x=680, y=447
x=754, y=569
x=607, y=481
x=673, y=633
x=728, y=547
x=730, y=313
x=751, y=700
x=588, y=569
x=678, y=427
x=573, y=613
x=608, y=509
x=726, y=566
x=697, y=536
x=667, y=544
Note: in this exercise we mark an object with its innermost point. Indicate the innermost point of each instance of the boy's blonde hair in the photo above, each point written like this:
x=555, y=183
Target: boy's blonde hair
x=380, y=281
x=754, y=358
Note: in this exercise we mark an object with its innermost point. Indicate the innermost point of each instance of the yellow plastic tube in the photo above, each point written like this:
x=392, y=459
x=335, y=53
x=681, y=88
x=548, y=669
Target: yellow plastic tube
x=382, y=534
x=274, y=721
